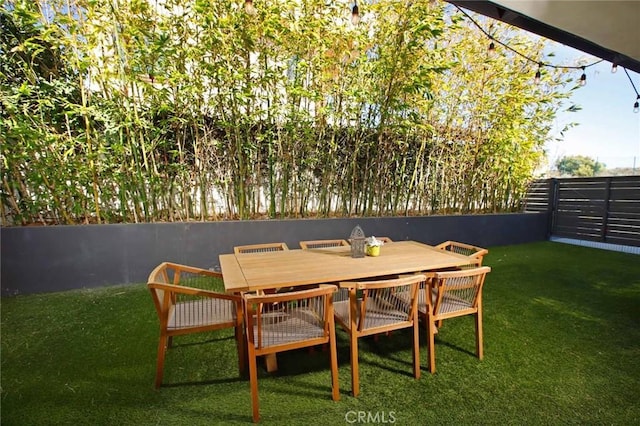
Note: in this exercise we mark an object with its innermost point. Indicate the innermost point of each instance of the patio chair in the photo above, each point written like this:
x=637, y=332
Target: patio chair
x=475, y=254
x=380, y=308
x=452, y=294
x=260, y=248
x=317, y=244
x=186, y=304
x=272, y=362
x=287, y=321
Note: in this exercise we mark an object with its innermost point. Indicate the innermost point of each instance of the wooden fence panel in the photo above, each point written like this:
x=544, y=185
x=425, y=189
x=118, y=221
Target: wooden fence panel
x=538, y=196
x=604, y=209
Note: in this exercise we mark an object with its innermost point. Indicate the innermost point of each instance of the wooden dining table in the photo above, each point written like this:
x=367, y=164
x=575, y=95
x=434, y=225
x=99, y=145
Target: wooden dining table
x=246, y=272
x=290, y=268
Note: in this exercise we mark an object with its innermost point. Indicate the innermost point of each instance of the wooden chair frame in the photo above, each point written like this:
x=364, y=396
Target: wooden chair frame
x=219, y=310
x=260, y=248
x=438, y=302
x=474, y=253
x=356, y=321
x=273, y=324
x=316, y=244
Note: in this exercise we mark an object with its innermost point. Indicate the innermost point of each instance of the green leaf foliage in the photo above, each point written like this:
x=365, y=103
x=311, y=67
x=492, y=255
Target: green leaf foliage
x=170, y=111
x=579, y=166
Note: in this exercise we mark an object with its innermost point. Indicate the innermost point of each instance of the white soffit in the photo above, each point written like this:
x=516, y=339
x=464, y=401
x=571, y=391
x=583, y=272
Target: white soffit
x=612, y=24
x=607, y=29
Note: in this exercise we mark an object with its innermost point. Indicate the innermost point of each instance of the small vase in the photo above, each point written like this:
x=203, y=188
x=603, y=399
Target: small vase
x=373, y=251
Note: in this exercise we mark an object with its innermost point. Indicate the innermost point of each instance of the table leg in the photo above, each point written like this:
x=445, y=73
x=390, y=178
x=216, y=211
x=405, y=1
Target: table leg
x=271, y=362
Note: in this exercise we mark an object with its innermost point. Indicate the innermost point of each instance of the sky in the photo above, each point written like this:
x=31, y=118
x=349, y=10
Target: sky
x=608, y=130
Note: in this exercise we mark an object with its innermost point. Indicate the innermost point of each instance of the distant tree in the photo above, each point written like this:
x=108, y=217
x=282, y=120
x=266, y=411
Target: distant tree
x=579, y=165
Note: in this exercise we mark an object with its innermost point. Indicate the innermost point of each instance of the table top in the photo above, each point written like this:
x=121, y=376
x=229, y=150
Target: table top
x=290, y=268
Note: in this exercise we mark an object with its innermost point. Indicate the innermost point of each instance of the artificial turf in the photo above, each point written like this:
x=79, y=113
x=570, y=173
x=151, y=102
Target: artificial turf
x=562, y=346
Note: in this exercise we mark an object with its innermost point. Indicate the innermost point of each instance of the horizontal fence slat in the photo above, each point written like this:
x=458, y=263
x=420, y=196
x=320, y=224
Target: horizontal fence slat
x=538, y=196
x=583, y=194
x=623, y=234
x=625, y=206
x=623, y=241
x=630, y=194
x=593, y=208
x=579, y=223
x=596, y=230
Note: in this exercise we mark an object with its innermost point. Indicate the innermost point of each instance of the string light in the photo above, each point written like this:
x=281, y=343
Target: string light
x=492, y=48
x=636, y=106
x=355, y=13
x=537, y=78
x=583, y=78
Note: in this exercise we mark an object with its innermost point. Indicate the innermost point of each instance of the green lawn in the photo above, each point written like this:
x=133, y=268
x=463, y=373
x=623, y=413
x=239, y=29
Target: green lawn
x=562, y=346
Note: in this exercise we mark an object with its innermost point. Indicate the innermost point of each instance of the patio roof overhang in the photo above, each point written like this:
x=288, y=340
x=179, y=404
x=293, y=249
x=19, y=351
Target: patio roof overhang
x=605, y=29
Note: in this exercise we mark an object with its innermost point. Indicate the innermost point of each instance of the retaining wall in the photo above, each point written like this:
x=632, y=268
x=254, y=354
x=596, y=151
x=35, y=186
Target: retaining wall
x=55, y=258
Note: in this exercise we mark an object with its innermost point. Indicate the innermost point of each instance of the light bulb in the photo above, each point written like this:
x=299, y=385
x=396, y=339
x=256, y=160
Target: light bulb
x=492, y=48
x=583, y=78
x=614, y=68
x=636, y=106
x=355, y=14
x=536, y=80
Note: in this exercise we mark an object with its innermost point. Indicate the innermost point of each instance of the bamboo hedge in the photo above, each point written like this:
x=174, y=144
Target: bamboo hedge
x=167, y=110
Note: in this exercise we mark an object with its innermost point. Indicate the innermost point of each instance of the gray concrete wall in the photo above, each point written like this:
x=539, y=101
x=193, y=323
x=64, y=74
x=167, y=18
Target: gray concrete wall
x=46, y=259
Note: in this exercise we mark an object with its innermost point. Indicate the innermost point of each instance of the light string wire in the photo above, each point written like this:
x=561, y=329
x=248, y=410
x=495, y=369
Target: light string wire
x=542, y=64
x=636, y=105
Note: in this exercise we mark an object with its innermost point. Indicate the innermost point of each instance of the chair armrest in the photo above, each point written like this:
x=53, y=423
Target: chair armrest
x=390, y=283
x=443, y=245
x=192, y=269
x=474, y=252
x=462, y=273
x=299, y=294
x=180, y=289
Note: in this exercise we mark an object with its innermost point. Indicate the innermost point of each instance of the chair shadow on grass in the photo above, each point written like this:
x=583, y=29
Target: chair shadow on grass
x=182, y=343
x=440, y=343
x=303, y=388
x=395, y=347
x=300, y=361
x=290, y=364
x=215, y=417
x=204, y=382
